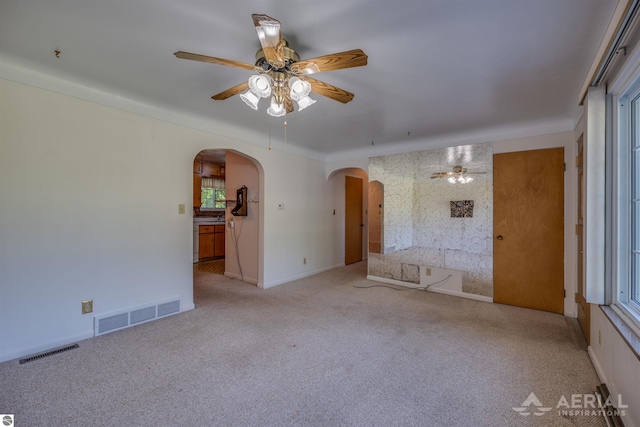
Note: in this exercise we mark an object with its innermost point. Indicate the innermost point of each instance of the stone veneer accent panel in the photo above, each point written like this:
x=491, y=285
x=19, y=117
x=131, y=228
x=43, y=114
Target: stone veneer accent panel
x=418, y=227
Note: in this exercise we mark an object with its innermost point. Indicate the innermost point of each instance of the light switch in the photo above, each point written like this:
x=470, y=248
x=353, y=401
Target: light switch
x=181, y=209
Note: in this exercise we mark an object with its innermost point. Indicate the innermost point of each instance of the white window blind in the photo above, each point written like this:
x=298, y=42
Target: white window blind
x=215, y=183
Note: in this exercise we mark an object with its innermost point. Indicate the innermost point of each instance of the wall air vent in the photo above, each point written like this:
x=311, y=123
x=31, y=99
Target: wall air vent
x=125, y=318
x=112, y=323
x=144, y=314
x=168, y=308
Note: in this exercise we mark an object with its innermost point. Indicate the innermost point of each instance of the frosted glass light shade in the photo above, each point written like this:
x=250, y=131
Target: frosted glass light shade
x=461, y=179
x=269, y=33
x=305, y=102
x=275, y=109
x=260, y=85
x=250, y=99
x=299, y=89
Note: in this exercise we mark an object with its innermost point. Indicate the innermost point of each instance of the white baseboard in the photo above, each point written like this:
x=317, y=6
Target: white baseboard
x=435, y=290
x=299, y=276
x=239, y=277
x=597, y=366
x=462, y=294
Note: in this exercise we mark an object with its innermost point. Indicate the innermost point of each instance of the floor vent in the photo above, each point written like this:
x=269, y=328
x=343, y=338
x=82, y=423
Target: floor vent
x=610, y=412
x=47, y=353
x=127, y=318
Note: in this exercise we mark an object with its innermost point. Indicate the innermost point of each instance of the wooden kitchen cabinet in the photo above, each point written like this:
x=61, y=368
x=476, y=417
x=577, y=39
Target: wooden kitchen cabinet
x=210, y=241
x=197, y=190
x=206, y=242
x=218, y=238
x=210, y=169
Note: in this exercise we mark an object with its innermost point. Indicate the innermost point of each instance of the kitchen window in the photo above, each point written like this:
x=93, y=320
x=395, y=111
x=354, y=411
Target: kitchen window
x=213, y=194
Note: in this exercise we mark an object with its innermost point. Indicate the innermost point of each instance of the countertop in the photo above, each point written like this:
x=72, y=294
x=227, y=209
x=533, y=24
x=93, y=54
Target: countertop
x=207, y=220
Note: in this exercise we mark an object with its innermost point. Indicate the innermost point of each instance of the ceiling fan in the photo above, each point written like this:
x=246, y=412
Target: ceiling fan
x=457, y=175
x=281, y=74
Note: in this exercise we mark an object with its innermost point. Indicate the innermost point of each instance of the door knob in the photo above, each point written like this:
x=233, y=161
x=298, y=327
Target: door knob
x=499, y=237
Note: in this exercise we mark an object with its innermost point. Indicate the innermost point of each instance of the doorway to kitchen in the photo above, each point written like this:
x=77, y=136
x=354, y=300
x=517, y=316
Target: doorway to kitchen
x=209, y=209
x=228, y=215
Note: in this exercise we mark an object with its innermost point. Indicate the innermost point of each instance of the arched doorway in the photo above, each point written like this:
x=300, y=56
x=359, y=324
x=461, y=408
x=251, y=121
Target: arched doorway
x=223, y=235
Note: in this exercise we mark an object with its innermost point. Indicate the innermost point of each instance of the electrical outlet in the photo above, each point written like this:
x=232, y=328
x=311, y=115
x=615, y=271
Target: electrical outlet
x=304, y=261
x=428, y=271
x=87, y=306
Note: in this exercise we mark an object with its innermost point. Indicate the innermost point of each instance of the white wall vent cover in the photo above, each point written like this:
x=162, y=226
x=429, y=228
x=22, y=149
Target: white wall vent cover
x=125, y=318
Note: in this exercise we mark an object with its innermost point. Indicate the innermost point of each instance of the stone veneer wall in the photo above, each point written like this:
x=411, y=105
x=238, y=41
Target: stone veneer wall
x=418, y=227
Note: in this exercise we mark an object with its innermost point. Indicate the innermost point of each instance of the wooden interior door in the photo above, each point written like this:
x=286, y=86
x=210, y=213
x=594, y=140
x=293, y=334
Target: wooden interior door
x=353, y=220
x=528, y=227
x=584, y=308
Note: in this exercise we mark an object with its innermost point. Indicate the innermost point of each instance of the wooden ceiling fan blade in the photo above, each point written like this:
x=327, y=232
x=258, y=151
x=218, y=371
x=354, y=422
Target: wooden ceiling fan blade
x=270, y=37
x=213, y=60
x=330, y=91
x=440, y=175
x=336, y=61
x=231, y=91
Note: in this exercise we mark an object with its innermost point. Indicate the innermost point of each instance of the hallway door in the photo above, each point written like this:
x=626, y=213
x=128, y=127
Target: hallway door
x=528, y=226
x=353, y=220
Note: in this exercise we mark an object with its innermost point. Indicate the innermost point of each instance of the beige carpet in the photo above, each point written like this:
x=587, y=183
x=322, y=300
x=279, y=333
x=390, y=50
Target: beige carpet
x=316, y=352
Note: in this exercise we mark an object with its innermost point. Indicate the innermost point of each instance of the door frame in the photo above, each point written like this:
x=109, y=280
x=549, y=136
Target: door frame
x=518, y=223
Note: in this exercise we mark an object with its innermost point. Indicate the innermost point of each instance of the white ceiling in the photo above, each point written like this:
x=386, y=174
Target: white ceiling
x=439, y=70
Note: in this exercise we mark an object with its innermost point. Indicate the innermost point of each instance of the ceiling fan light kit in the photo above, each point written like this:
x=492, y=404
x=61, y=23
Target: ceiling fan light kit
x=250, y=99
x=457, y=176
x=260, y=85
x=276, y=109
x=460, y=179
x=281, y=73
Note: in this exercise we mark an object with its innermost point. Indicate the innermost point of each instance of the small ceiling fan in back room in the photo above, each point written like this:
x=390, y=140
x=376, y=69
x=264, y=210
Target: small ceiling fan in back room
x=280, y=74
x=458, y=175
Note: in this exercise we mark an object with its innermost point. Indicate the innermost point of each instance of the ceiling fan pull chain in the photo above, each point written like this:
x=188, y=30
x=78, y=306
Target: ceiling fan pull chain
x=285, y=132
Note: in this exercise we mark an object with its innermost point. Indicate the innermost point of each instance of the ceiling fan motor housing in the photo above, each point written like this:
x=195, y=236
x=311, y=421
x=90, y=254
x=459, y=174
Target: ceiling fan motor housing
x=290, y=56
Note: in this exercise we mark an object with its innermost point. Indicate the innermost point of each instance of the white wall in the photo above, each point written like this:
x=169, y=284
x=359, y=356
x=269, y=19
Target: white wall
x=89, y=210
x=244, y=238
x=616, y=365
